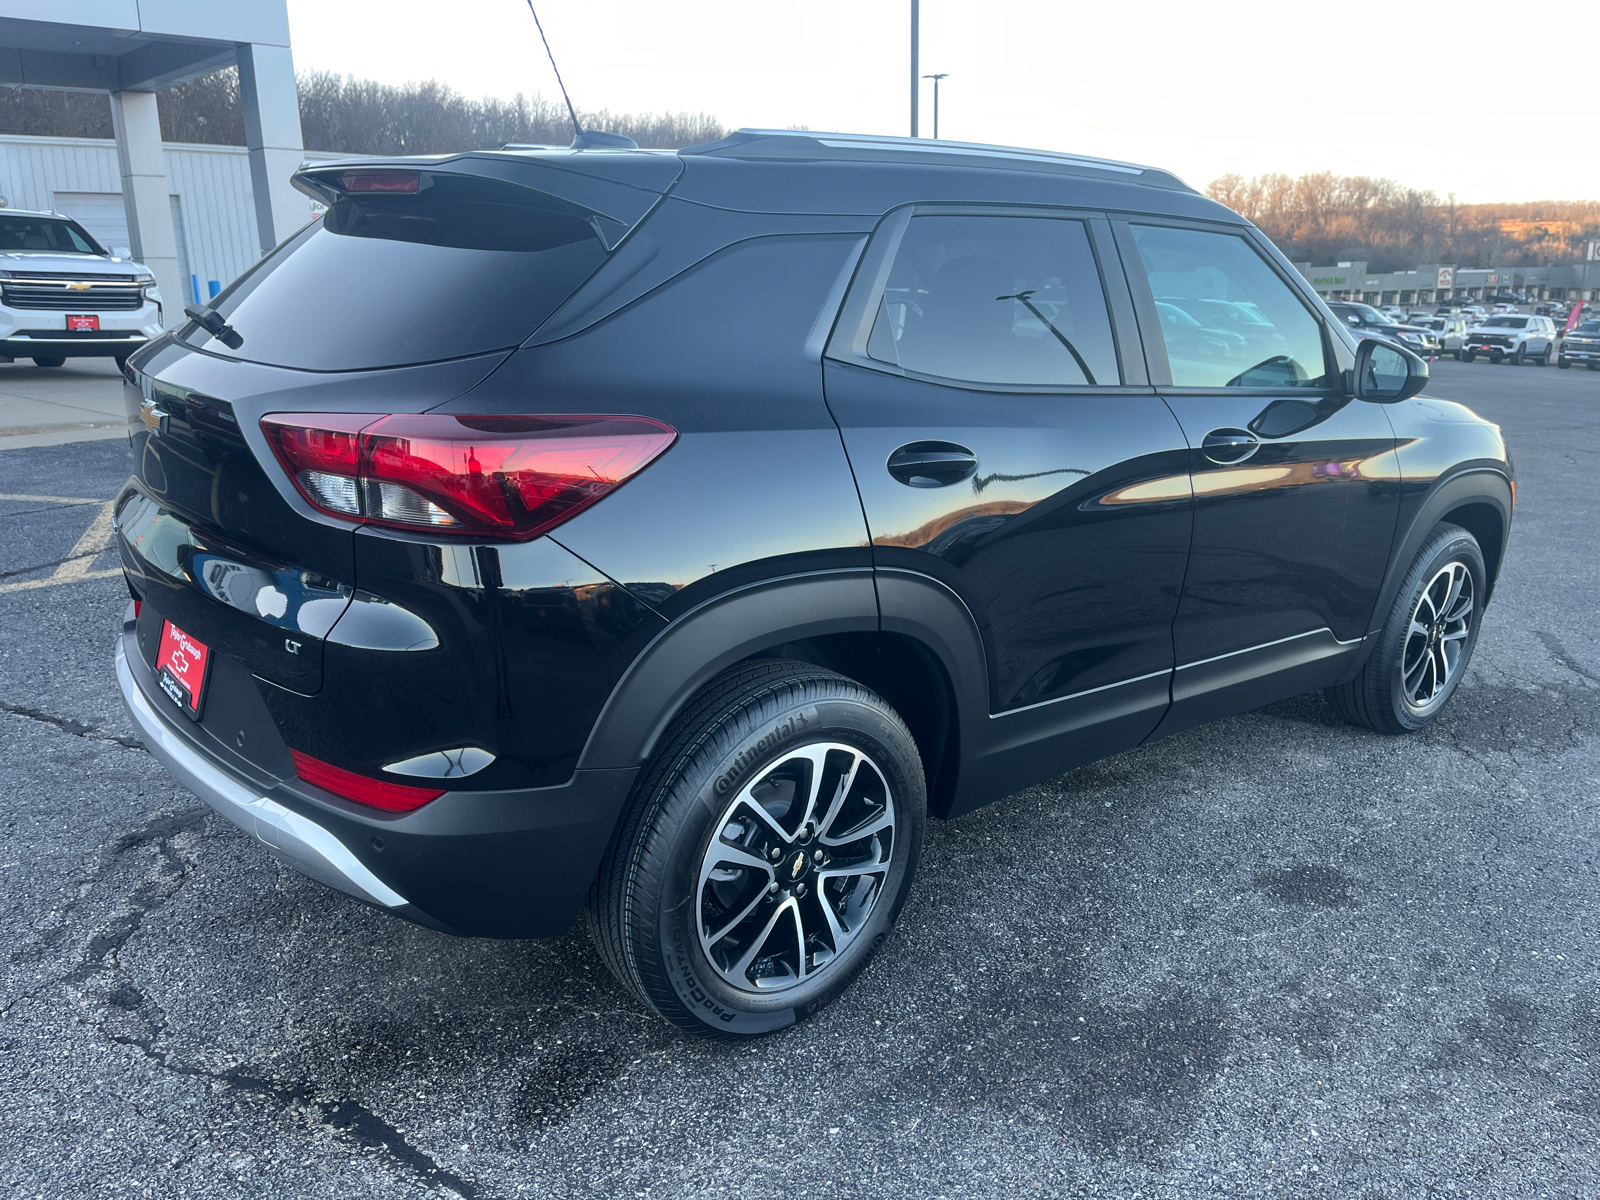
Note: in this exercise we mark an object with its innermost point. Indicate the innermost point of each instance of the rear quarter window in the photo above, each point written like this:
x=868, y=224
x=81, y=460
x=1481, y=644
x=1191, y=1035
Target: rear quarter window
x=465, y=266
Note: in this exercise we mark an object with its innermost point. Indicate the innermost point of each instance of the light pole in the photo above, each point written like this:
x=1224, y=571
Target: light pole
x=915, y=81
x=936, y=79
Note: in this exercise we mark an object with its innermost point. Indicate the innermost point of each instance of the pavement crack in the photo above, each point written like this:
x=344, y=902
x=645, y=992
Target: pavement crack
x=127, y=1016
x=70, y=725
x=1559, y=653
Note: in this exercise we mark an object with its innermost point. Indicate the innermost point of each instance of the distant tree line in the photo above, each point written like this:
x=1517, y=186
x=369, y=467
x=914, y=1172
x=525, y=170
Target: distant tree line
x=354, y=116
x=1325, y=218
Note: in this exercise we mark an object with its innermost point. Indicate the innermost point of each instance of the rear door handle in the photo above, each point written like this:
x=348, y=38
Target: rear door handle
x=1228, y=446
x=932, y=464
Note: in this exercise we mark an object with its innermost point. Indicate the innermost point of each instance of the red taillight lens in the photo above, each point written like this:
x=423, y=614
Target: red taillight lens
x=511, y=477
x=391, y=797
x=380, y=181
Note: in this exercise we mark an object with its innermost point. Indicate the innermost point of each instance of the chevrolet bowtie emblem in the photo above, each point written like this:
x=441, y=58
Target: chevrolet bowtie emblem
x=79, y=286
x=152, y=418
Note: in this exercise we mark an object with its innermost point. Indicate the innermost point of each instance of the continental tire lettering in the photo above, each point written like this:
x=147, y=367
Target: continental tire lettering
x=785, y=729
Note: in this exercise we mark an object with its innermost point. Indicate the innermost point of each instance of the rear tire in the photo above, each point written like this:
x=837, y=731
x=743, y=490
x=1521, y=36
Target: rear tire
x=49, y=360
x=729, y=900
x=1426, y=642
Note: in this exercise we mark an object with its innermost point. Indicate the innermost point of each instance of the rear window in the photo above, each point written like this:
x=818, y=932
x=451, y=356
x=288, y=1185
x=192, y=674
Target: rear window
x=463, y=266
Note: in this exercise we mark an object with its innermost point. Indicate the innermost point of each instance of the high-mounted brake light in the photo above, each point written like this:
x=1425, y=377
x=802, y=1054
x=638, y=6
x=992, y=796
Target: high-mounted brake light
x=508, y=477
x=378, y=793
x=380, y=181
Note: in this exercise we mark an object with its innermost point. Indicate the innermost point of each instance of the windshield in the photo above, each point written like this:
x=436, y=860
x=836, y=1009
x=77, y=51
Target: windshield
x=47, y=235
x=463, y=266
x=1431, y=323
x=1588, y=327
x=1506, y=323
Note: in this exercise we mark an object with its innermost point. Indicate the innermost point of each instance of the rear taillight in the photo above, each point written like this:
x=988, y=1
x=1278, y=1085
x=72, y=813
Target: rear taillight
x=378, y=793
x=509, y=477
x=380, y=181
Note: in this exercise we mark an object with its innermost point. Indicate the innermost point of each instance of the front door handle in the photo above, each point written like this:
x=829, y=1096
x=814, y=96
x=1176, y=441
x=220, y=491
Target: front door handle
x=932, y=464
x=1228, y=446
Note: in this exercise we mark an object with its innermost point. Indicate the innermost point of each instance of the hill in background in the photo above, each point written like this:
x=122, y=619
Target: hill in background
x=1325, y=218
x=354, y=116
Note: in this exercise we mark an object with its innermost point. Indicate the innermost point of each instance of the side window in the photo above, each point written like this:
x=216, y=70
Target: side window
x=1226, y=317
x=997, y=300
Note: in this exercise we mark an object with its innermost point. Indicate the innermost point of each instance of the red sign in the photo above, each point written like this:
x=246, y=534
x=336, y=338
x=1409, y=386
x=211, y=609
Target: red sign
x=87, y=322
x=181, y=668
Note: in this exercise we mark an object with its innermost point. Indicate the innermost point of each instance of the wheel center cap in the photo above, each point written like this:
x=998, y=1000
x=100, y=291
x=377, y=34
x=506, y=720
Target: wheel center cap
x=795, y=868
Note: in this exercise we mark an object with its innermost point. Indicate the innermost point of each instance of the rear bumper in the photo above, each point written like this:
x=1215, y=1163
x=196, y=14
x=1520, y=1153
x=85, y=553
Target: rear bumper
x=309, y=847
x=483, y=864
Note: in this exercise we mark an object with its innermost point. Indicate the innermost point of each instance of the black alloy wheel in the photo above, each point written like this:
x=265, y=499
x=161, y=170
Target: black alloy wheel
x=1426, y=642
x=766, y=852
x=1544, y=359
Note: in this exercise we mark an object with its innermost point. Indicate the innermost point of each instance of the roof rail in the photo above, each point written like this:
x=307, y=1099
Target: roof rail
x=805, y=144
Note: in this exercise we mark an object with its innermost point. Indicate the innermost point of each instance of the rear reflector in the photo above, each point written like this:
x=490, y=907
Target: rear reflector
x=379, y=181
x=508, y=477
x=391, y=797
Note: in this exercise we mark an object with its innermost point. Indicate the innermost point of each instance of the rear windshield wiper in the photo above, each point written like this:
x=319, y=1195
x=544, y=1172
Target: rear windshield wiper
x=211, y=321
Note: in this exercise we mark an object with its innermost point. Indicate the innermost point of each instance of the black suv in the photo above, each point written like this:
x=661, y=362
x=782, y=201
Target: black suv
x=664, y=536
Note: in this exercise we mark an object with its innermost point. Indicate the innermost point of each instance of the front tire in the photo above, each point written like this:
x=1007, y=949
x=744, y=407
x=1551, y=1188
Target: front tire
x=1468, y=355
x=1517, y=356
x=1564, y=363
x=1544, y=359
x=50, y=360
x=1426, y=642
x=766, y=852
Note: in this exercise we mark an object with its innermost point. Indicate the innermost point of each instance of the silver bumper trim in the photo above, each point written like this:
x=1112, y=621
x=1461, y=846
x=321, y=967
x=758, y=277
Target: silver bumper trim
x=137, y=338
x=307, y=846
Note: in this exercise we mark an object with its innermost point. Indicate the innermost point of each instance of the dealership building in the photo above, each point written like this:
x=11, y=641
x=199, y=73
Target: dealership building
x=1440, y=282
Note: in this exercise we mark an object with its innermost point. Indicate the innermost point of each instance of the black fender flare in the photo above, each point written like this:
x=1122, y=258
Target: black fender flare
x=740, y=624
x=1487, y=484
x=711, y=637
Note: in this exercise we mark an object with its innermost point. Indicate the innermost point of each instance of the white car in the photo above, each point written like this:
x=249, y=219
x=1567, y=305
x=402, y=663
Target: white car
x=1513, y=337
x=1474, y=312
x=1394, y=312
x=63, y=295
x=1505, y=308
x=1451, y=332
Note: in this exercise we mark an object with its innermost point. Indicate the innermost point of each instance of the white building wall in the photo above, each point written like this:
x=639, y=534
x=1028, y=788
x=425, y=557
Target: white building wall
x=218, y=229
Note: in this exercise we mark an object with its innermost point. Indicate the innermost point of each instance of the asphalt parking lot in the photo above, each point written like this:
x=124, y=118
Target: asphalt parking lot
x=1275, y=956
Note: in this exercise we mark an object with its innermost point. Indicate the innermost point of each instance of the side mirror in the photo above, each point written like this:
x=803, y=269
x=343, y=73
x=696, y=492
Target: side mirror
x=1386, y=374
x=121, y=252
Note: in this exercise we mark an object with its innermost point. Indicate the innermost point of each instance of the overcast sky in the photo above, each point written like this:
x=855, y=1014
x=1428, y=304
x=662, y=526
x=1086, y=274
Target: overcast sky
x=1198, y=88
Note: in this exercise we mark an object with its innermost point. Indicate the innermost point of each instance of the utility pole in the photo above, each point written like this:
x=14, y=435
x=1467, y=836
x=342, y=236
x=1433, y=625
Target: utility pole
x=936, y=79
x=915, y=79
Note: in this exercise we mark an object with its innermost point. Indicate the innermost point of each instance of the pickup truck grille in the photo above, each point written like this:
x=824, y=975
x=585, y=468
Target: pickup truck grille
x=1489, y=339
x=66, y=294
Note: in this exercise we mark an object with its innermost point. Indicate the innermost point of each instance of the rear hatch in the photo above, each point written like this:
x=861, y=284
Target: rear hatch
x=404, y=294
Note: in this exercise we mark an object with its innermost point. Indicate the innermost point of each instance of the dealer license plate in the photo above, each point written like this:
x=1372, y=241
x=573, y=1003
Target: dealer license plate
x=85, y=323
x=181, y=669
